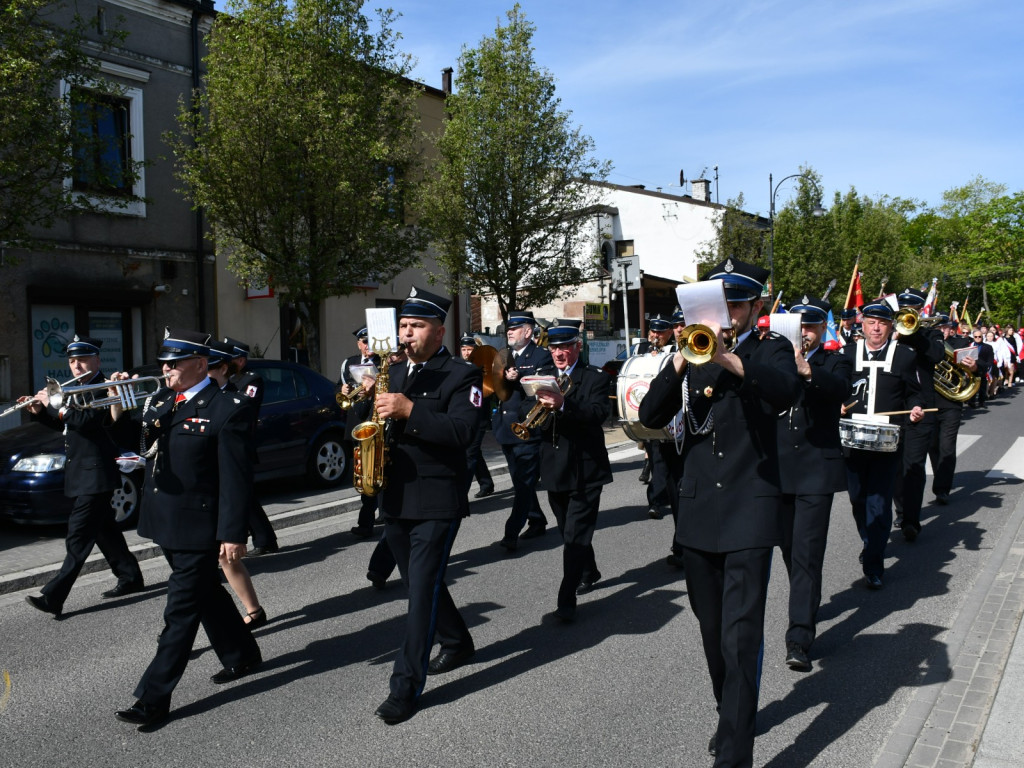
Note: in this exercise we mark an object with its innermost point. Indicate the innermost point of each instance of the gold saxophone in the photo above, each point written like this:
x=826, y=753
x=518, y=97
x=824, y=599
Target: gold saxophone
x=370, y=453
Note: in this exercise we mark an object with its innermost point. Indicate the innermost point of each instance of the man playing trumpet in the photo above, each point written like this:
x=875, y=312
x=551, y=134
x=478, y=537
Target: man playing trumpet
x=90, y=478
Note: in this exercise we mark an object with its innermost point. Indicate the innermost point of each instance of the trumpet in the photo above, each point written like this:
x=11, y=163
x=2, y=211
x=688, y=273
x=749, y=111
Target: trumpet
x=697, y=343
x=128, y=393
x=347, y=401
x=33, y=401
x=907, y=321
x=537, y=415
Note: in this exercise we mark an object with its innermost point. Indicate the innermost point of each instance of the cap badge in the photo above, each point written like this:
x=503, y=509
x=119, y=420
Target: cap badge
x=76, y=338
x=412, y=292
x=728, y=265
x=806, y=300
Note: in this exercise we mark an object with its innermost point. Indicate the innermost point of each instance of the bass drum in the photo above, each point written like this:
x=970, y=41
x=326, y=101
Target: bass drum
x=631, y=387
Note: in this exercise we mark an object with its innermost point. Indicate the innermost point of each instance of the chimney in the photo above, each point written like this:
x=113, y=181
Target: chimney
x=446, y=79
x=701, y=190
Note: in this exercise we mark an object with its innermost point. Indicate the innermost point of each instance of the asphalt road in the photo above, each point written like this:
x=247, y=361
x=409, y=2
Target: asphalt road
x=625, y=685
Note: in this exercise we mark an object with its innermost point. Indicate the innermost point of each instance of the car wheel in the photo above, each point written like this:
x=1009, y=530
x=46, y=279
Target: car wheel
x=126, y=500
x=327, y=461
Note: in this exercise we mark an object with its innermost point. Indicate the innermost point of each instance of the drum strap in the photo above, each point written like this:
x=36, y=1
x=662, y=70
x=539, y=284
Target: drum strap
x=873, y=367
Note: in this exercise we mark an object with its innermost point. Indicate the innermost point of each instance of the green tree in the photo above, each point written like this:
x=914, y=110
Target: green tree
x=510, y=208
x=737, y=233
x=304, y=149
x=41, y=45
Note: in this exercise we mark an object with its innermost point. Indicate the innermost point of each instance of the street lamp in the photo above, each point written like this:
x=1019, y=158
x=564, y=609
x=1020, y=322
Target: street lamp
x=773, y=190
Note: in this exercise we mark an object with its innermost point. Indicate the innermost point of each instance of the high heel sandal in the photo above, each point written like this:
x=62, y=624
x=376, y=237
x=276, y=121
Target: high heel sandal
x=256, y=618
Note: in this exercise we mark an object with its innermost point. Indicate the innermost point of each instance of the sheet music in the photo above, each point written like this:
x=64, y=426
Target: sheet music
x=382, y=328
x=787, y=324
x=704, y=303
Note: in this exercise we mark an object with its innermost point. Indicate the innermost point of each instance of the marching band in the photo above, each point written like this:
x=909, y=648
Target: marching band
x=748, y=435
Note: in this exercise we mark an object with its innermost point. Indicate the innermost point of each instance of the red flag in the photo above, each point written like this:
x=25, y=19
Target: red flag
x=856, y=295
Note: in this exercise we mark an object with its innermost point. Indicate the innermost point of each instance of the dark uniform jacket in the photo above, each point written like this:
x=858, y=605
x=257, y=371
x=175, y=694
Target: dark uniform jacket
x=199, y=486
x=898, y=390
x=250, y=384
x=530, y=360
x=729, y=491
x=573, y=452
x=426, y=475
x=91, y=466
x=810, y=454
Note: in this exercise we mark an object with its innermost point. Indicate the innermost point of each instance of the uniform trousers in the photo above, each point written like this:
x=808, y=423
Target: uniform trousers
x=805, y=519
x=524, y=468
x=421, y=549
x=475, y=464
x=576, y=514
x=870, y=476
x=262, y=531
x=382, y=562
x=909, y=491
x=195, y=596
x=727, y=592
x=660, y=489
x=91, y=523
x=943, y=449
x=367, y=511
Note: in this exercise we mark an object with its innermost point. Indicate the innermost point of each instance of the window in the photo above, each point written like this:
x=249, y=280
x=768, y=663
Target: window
x=102, y=142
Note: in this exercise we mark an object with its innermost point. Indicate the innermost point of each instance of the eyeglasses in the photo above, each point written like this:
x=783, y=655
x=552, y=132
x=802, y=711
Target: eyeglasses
x=978, y=337
x=174, y=363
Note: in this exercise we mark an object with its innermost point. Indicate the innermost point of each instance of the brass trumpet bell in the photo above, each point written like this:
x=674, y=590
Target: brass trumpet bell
x=907, y=321
x=697, y=343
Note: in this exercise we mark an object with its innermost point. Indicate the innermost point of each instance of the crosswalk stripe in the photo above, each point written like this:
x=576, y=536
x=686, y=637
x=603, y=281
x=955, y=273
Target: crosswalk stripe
x=1010, y=464
x=963, y=442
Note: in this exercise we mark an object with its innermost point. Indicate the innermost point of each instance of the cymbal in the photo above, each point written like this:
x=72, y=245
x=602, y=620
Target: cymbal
x=483, y=358
x=502, y=387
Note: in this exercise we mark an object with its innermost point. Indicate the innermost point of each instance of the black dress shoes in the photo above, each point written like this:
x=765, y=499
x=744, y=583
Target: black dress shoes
x=942, y=498
x=230, y=674
x=675, y=560
x=142, y=714
x=910, y=533
x=483, y=492
x=394, y=710
x=267, y=550
x=713, y=746
x=123, y=588
x=378, y=581
x=362, y=533
x=446, y=661
x=533, y=531
x=565, y=614
x=42, y=603
x=588, y=583
x=654, y=513
x=508, y=544
x=874, y=582
x=796, y=658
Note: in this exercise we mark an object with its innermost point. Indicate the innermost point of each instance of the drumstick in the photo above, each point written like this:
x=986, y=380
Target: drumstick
x=902, y=413
x=847, y=407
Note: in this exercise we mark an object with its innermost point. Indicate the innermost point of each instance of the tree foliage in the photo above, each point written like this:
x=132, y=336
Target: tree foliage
x=738, y=234
x=510, y=207
x=304, y=148
x=41, y=46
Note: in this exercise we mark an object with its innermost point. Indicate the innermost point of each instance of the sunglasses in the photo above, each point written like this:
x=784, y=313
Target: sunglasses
x=174, y=363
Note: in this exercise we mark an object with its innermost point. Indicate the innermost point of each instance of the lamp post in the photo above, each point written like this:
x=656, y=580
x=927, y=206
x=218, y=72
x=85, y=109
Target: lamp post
x=773, y=190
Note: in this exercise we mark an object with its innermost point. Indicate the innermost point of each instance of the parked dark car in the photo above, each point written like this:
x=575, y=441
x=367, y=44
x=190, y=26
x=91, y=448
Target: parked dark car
x=300, y=432
x=612, y=368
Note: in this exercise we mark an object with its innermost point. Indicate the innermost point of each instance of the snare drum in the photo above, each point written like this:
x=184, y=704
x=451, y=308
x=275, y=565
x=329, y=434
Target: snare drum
x=633, y=382
x=869, y=436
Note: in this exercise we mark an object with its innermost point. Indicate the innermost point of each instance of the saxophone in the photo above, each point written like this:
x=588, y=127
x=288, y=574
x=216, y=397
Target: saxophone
x=370, y=453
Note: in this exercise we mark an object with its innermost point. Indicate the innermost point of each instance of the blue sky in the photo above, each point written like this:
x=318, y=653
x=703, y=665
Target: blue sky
x=906, y=98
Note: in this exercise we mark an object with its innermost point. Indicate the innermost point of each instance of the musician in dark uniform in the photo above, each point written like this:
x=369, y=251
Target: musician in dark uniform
x=729, y=511
x=574, y=459
x=250, y=384
x=476, y=465
x=928, y=349
x=196, y=507
x=812, y=471
x=357, y=414
x=523, y=456
x=433, y=408
x=655, y=473
x=848, y=331
x=90, y=478
x=943, y=448
x=884, y=379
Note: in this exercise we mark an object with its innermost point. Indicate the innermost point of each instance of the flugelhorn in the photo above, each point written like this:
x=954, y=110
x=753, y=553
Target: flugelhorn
x=697, y=343
x=129, y=392
x=33, y=401
x=347, y=401
x=537, y=415
x=907, y=321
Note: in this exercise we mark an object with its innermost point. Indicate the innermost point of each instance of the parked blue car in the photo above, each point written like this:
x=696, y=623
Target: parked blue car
x=301, y=431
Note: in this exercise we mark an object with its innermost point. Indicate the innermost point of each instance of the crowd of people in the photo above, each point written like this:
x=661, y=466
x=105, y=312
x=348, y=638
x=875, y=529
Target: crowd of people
x=751, y=416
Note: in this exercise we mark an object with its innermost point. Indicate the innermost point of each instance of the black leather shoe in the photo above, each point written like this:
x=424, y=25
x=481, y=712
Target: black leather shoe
x=125, y=588
x=483, y=492
x=645, y=473
x=796, y=658
x=942, y=498
x=142, y=714
x=394, y=711
x=362, y=533
x=42, y=603
x=860, y=557
x=654, y=513
x=713, y=746
x=378, y=581
x=588, y=584
x=874, y=582
x=910, y=533
x=566, y=614
x=267, y=550
x=509, y=544
x=230, y=674
x=446, y=661
x=897, y=522
x=533, y=531
x=675, y=560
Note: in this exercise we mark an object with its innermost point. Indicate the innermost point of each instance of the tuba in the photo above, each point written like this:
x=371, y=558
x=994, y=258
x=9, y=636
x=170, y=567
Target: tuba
x=370, y=453
x=953, y=381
